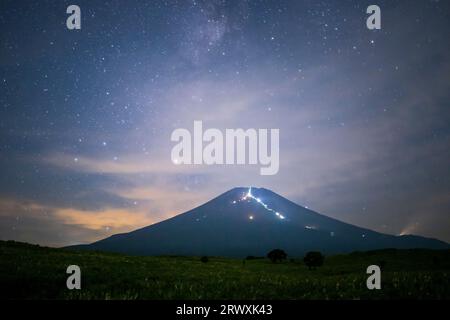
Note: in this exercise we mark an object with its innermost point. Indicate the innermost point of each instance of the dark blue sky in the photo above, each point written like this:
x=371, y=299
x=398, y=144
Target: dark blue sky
x=86, y=115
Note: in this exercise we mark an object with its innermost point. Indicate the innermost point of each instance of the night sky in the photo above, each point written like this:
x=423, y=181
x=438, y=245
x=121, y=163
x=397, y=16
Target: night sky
x=86, y=115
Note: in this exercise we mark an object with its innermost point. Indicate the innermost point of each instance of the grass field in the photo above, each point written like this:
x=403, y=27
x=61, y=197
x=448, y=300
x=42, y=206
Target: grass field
x=33, y=272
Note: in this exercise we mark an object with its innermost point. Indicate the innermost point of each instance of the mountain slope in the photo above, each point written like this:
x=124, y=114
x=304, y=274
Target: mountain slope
x=252, y=221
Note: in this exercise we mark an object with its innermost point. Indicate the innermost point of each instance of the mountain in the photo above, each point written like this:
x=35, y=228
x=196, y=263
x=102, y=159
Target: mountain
x=253, y=221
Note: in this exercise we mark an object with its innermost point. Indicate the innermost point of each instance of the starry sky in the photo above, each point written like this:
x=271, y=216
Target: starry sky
x=86, y=115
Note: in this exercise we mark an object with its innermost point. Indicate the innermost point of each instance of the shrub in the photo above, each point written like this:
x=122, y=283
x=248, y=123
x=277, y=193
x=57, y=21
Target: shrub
x=277, y=255
x=313, y=259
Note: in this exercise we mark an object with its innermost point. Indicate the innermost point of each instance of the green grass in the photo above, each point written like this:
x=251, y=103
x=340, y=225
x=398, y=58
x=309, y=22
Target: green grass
x=33, y=272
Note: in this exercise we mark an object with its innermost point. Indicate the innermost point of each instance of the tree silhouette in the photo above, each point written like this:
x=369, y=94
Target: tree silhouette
x=277, y=255
x=204, y=259
x=313, y=259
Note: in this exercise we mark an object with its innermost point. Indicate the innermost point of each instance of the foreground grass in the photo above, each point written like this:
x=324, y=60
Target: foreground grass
x=33, y=272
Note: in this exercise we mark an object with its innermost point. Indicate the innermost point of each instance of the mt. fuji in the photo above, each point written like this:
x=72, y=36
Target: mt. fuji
x=253, y=221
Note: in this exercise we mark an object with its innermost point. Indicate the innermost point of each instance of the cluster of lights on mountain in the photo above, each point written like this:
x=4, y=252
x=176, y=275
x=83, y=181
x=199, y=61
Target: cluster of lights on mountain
x=249, y=195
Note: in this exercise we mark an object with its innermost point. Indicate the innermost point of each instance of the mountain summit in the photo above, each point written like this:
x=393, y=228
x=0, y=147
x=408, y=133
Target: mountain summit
x=253, y=221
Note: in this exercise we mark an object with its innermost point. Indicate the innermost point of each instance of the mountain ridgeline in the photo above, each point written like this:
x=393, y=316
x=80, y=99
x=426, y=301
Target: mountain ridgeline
x=252, y=221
